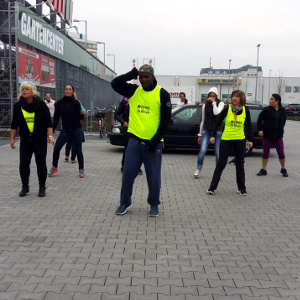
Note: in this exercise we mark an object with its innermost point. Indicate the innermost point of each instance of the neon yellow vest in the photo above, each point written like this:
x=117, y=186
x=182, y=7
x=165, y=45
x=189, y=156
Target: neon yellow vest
x=234, y=125
x=29, y=119
x=144, y=115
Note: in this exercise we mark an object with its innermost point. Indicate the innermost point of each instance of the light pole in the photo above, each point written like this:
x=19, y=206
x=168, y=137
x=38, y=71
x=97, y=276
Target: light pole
x=76, y=28
x=229, y=78
x=103, y=56
x=114, y=60
x=256, y=71
x=270, y=82
x=85, y=21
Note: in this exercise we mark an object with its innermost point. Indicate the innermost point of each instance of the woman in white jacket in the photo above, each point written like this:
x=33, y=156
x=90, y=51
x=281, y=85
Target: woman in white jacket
x=210, y=110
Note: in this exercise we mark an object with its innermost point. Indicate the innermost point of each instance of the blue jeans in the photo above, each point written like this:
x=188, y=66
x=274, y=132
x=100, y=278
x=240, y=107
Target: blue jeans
x=205, y=137
x=75, y=135
x=136, y=154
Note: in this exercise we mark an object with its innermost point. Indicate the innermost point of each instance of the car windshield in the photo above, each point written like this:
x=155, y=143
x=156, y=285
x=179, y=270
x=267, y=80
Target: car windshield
x=294, y=105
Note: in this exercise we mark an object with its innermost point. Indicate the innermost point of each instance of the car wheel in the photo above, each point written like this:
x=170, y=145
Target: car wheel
x=249, y=150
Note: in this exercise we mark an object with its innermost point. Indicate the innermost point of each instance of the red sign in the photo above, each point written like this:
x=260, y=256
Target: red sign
x=36, y=68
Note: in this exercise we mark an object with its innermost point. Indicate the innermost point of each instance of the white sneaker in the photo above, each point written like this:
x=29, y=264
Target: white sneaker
x=197, y=173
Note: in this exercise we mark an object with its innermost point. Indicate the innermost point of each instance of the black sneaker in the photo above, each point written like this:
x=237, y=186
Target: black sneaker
x=122, y=209
x=262, y=172
x=210, y=192
x=154, y=211
x=242, y=192
x=122, y=169
x=284, y=172
x=24, y=191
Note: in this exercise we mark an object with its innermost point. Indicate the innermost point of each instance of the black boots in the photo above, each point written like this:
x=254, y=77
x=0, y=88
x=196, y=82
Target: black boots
x=42, y=191
x=25, y=190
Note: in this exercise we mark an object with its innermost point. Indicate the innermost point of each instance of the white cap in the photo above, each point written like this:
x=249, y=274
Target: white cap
x=213, y=90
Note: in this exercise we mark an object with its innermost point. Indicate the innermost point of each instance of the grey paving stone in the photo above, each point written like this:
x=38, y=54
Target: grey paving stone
x=22, y=295
x=218, y=247
x=55, y=296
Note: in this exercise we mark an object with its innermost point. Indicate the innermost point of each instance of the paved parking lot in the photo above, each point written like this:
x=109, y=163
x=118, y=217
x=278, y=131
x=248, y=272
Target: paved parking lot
x=71, y=246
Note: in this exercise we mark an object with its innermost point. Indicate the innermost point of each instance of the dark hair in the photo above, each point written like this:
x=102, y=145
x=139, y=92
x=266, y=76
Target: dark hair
x=241, y=95
x=277, y=97
x=47, y=94
x=70, y=86
x=185, y=100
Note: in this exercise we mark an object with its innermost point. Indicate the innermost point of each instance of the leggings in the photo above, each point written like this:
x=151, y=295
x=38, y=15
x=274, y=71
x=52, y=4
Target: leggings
x=278, y=143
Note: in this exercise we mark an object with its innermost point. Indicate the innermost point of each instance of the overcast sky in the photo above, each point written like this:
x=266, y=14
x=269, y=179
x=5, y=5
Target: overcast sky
x=182, y=36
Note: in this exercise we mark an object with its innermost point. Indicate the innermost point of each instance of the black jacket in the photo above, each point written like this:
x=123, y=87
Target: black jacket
x=68, y=109
x=266, y=122
x=122, y=112
x=42, y=119
x=120, y=85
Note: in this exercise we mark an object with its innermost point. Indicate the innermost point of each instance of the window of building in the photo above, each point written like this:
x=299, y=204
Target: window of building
x=288, y=89
x=296, y=89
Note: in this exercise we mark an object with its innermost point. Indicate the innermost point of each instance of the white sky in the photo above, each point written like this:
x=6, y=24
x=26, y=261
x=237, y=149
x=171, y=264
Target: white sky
x=183, y=35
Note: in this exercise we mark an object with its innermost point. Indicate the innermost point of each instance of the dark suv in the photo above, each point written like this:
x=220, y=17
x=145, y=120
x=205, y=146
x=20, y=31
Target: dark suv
x=292, y=109
x=184, y=128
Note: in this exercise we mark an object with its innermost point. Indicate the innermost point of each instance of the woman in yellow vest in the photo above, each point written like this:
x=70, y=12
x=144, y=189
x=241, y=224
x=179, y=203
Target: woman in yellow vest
x=237, y=116
x=32, y=117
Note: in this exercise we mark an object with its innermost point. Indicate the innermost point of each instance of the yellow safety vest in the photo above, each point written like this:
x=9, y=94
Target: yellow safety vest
x=29, y=119
x=234, y=125
x=144, y=116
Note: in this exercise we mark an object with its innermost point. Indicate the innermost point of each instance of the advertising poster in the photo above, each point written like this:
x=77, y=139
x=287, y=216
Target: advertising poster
x=35, y=67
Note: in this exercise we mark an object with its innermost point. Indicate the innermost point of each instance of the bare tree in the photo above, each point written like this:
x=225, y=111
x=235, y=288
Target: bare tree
x=279, y=84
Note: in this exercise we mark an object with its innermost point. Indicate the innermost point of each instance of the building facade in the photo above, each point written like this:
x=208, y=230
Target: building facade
x=37, y=48
x=247, y=78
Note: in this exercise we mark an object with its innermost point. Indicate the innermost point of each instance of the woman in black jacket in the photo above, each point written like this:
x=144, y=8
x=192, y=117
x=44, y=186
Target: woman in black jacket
x=270, y=123
x=32, y=117
x=68, y=109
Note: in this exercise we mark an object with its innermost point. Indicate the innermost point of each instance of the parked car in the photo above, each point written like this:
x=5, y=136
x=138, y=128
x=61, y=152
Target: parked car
x=292, y=109
x=184, y=127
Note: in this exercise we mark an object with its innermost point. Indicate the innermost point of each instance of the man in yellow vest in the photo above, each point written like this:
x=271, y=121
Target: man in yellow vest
x=149, y=118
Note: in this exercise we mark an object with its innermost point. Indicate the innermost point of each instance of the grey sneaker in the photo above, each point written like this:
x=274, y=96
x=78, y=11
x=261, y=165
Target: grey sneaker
x=52, y=171
x=81, y=173
x=154, y=211
x=122, y=209
x=197, y=173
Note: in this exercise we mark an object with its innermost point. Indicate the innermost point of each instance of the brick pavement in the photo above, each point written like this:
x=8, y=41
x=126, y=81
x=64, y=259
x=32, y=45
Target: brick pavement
x=71, y=246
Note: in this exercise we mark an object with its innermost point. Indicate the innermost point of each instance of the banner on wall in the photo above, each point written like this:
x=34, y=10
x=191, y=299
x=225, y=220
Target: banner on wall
x=36, y=68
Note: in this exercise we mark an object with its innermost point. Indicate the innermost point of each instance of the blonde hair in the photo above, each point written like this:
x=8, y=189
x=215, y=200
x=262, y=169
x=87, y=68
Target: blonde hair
x=28, y=85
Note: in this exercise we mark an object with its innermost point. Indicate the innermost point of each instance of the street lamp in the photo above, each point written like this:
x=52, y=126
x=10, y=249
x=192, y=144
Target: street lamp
x=256, y=71
x=76, y=28
x=229, y=76
x=85, y=21
x=270, y=82
x=103, y=55
x=114, y=60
